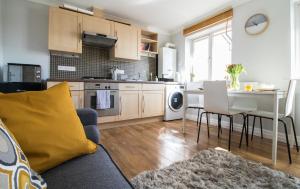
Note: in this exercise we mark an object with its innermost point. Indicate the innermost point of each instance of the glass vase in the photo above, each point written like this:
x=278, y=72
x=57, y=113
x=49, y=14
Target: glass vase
x=234, y=82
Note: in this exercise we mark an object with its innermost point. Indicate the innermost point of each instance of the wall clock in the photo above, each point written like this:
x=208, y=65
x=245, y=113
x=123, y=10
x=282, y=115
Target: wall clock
x=257, y=24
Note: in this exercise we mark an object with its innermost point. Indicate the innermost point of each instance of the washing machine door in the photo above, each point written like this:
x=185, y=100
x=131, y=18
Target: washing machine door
x=175, y=101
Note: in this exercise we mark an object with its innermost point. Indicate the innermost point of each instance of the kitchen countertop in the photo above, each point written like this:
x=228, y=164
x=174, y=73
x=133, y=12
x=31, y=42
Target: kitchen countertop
x=111, y=81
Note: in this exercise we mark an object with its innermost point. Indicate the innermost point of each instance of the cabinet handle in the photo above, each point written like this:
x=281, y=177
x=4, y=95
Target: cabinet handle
x=143, y=104
x=121, y=108
x=81, y=101
x=80, y=32
x=116, y=45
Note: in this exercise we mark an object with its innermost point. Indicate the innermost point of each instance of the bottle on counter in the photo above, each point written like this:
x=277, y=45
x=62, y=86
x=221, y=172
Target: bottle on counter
x=156, y=78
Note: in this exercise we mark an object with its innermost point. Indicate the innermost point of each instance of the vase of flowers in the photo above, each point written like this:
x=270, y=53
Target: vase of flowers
x=234, y=71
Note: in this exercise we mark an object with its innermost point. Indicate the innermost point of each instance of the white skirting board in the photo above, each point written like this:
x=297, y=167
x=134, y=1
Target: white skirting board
x=238, y=127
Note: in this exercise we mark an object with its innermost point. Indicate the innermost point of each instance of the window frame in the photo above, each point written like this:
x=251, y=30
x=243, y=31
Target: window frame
x=295, y=39
x=209, y=33
x=207, y=36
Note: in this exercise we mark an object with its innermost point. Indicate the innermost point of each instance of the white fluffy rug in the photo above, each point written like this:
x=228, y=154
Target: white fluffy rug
x=214, y=169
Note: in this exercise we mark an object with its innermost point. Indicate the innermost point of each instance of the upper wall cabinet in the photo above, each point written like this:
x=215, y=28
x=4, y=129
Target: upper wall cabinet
x=127, y=46
x=65, y=29
x=97, y=25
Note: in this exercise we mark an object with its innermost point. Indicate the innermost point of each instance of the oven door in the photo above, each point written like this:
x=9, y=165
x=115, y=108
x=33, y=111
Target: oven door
x=90, y=101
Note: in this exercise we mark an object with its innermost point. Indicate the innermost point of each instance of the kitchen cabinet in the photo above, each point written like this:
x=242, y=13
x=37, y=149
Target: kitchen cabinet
x=130, y=105
x=127, y=46
x=77, y=97
x=152, y=103
x=97, y=25
x=76, y=90
x=141, y=100
x=65, y=29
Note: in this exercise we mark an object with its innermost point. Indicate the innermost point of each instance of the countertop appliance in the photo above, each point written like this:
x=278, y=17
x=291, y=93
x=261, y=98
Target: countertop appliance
x=167, y=63
x=95, y=39
x=23, y=72
x=90, y=97
x=116, y=73
x=173, y=102
x=12, y=87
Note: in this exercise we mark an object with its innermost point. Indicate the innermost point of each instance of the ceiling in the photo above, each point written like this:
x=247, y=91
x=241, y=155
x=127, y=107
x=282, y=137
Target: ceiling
x=164, y=15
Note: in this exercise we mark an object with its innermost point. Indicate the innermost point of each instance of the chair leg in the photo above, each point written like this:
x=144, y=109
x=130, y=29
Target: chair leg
x=199, y=127
x=287, y=140
x=232, y=126
x=221, y=123
x=261, y=130
x=295, y=135
x=198, y=116
x=244, y=125
x=253, y=126
x=218, y=126
x=247, y=129
x=207, y=124
x=230, y=129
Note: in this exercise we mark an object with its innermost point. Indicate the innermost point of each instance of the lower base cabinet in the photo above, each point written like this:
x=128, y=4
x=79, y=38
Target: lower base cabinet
x=77, y=92
x=141, y=104
x=141, y=101
x=152, y=103
x=130, y=105
x=77, y=97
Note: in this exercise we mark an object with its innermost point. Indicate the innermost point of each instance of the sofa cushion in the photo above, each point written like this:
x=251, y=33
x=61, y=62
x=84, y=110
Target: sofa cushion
x=89, y=171
x=46, y=125
x=92, y=133
x=15, y=171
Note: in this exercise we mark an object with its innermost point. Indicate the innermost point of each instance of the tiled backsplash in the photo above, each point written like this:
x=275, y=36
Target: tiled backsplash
x=95, y=62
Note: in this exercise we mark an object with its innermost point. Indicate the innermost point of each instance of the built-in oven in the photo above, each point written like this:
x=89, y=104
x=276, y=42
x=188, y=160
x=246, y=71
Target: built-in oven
x=90, y=97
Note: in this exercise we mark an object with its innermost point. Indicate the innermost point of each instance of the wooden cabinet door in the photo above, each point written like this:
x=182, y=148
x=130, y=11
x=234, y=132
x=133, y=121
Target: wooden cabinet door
x=130, y=107
x=128, y=40
x=78, y=99
x=152, y=103
x=65, y=29
x=97, y=25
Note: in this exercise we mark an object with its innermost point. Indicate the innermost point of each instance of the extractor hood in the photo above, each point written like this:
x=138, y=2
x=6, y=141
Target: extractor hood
x=95, y=39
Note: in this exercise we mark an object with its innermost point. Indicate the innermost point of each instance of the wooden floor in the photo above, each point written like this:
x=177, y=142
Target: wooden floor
x=156, y=145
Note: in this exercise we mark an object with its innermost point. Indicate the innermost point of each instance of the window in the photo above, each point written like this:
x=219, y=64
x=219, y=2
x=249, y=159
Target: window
x=211, y=53
x=295, y=39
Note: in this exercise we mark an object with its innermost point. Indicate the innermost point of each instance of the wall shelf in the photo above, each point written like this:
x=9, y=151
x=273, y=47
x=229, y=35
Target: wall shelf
x=149, y=43
x=146, y=40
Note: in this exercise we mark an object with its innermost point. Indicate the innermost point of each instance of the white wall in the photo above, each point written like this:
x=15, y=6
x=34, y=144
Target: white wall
x=163, y=39
x=1, y=39
x=26, y=34
x=265, y=56
x=179, y=40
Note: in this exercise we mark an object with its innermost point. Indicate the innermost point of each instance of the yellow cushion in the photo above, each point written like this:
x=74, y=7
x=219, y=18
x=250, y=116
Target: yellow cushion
x=46, y=125
x=14, y=167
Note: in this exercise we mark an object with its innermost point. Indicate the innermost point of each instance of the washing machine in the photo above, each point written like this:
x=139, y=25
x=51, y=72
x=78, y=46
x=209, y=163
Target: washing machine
x=173, y=102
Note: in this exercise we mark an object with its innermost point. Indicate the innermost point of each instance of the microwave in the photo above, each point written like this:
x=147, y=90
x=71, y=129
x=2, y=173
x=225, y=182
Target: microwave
x=23, y=72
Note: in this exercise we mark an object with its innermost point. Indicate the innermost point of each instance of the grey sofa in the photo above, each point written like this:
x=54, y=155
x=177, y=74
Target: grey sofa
x=89, y=171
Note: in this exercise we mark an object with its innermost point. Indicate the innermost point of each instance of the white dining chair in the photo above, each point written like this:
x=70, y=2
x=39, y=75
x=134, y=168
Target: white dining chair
x=196, y=105
x=287, y=114
x=216, y=102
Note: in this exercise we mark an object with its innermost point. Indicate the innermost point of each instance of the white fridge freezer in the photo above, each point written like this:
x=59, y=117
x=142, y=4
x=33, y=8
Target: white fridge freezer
x=167, y=63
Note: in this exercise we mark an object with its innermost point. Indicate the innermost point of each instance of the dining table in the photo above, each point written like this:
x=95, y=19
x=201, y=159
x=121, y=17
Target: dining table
x=275, y=94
